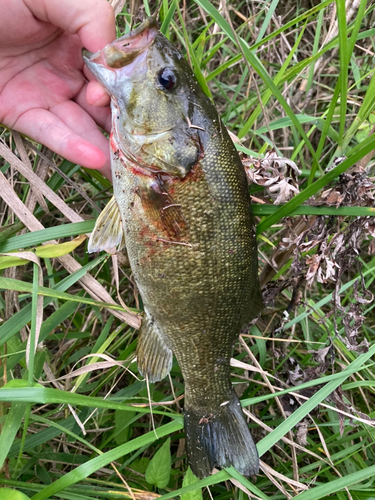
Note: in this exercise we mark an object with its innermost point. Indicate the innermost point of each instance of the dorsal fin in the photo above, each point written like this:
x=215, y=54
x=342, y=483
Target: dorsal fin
x=109, y=230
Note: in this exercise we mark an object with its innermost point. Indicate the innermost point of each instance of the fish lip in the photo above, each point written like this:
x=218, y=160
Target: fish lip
x=149, y=22
x=124, y=50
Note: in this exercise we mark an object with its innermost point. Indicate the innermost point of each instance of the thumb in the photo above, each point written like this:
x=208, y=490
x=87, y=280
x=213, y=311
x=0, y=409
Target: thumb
x=92, y=20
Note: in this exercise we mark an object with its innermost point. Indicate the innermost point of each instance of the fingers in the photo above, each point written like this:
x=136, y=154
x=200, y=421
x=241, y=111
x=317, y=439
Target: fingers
x=96, y=95
x=69, y=131
x=101, y=115
x=92, y=20
x=95, y=100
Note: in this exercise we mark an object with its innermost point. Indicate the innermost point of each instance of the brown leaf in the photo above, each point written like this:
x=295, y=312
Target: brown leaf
x=301, y=435
x=321, y=354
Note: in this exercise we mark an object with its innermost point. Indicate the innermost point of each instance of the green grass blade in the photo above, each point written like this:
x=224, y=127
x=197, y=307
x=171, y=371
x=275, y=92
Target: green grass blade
x=22, y=317
x=305, y=385
x=270, y=12
x=168, y=18
x=368, y=105
x=53, y=321
x=328, y=298
x=268, y=93
x=358, y=153
x=97, y=463
x=311, y=210
x=22, y=286
x=34, y=314
x=336, y=485
x=53, y=430
x=324, y=134
x=245, y=482
x=11, y=427
x=208, y=481
x=52, y=233
x=258, y=66
x=344, y=61
x=284, y=122
x=296, y=21
x=271, y=439
x=196, y=67
x=45, y=395
x=315, y=49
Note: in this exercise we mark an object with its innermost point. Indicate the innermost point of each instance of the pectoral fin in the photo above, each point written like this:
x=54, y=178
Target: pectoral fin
x=108, y=231
x=154, y=357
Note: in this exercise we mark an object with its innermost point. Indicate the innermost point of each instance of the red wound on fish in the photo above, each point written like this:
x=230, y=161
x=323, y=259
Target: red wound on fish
x=160, y=207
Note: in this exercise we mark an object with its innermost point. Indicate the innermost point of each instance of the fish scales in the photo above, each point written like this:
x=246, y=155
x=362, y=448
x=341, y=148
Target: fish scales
x=183, y=199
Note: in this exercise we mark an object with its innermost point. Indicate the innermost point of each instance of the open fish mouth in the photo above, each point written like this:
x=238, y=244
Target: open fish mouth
x=122, y=52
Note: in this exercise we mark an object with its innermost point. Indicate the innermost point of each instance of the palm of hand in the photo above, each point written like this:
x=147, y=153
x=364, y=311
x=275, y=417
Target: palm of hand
x=42, y=94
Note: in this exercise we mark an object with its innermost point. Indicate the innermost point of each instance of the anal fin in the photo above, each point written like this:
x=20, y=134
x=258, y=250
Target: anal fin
x=154, y=357
x=108, y=231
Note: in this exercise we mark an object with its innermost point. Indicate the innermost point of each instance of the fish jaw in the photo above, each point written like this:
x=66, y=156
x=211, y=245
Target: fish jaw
x=123, y=59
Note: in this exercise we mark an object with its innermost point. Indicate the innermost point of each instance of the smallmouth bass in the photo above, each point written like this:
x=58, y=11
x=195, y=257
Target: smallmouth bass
x=182, y=208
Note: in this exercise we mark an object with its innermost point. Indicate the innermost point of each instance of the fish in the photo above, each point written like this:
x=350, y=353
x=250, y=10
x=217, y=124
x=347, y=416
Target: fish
x=182, y=208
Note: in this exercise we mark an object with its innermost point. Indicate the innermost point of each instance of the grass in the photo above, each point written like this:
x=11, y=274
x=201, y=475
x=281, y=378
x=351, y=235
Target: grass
x=297, y=78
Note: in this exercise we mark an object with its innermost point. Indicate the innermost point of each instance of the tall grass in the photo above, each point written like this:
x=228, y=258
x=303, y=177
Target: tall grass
x=76, y=422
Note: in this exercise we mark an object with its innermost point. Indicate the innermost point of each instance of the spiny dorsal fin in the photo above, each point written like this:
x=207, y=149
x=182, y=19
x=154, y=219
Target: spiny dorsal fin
x=108, y=231
x=154, y=358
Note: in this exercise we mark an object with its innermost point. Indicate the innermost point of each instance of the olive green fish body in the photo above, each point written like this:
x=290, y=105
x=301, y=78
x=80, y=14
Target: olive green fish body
x=183, y=199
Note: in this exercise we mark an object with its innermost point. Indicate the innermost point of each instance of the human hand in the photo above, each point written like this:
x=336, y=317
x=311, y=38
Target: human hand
x=43, y=83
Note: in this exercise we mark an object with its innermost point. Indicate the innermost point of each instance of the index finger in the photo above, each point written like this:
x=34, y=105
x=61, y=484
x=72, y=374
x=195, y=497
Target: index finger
x=92, y=20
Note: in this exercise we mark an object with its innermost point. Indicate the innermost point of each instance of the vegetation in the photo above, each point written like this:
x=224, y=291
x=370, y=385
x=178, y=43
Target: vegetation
x=295, y=82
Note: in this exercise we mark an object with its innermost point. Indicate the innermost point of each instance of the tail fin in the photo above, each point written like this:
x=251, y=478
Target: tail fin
x=220, y=439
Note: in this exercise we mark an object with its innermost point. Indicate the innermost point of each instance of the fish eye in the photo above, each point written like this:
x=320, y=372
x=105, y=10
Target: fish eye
x=167, y=78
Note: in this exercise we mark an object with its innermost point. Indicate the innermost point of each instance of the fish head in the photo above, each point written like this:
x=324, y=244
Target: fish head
x=154, y=93
x=122, y=65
